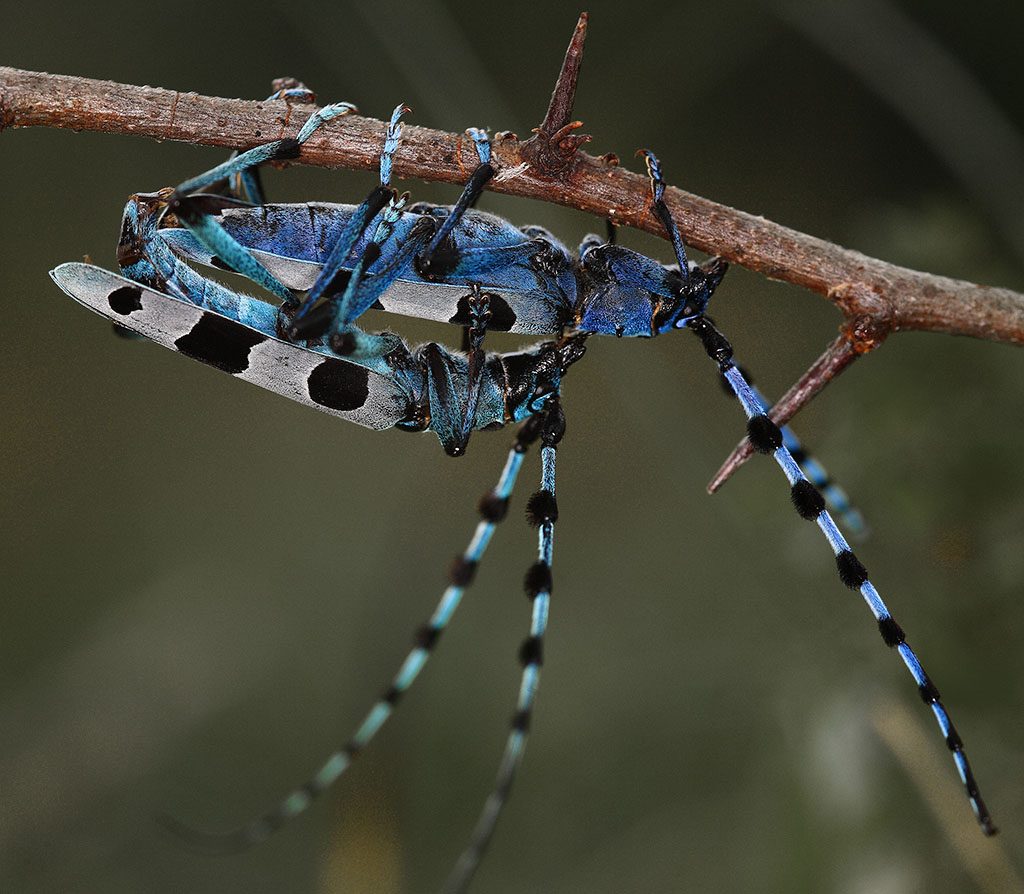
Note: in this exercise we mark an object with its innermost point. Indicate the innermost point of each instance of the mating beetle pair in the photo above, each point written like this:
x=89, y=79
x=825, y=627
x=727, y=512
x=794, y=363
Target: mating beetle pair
x=329, y=264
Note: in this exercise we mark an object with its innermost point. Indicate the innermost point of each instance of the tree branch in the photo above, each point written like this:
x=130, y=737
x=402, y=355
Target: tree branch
x=876, y=298
x=893, y=298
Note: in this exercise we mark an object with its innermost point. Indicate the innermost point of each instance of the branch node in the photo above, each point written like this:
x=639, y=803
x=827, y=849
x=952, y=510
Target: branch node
x=554, y=147
x=870, y=316
x=866, y=332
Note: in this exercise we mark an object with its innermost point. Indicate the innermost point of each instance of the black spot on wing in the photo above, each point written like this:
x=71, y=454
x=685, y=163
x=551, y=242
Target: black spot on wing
x=502, y=318
x=339, y=385
x=125, y=299
x=220, y=342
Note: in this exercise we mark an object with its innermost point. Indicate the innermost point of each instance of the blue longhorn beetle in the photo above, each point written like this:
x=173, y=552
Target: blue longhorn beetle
x=329, y=263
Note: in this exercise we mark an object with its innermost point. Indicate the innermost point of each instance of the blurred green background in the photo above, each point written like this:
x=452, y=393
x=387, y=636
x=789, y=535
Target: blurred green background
x=205, y=585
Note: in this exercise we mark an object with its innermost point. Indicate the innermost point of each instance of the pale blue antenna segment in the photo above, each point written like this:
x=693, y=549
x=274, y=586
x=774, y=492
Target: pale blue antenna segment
x=855, y=576
x=836, y=498
x=460, y=877
x=339, y=761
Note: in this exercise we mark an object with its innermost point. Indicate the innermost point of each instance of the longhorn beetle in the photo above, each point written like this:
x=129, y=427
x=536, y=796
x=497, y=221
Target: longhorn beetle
x=327, y=264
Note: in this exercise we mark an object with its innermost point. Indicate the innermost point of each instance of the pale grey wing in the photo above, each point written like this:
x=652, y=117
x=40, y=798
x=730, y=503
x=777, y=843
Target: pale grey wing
x=292, y=272
x=440, y=302
x=249, y=352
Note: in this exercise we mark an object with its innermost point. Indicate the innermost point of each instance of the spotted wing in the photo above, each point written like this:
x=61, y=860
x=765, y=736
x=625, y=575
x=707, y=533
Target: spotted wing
x=250, y=351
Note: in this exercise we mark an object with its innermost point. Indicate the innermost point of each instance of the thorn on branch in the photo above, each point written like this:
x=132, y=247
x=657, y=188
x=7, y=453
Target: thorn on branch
x=554, y=147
